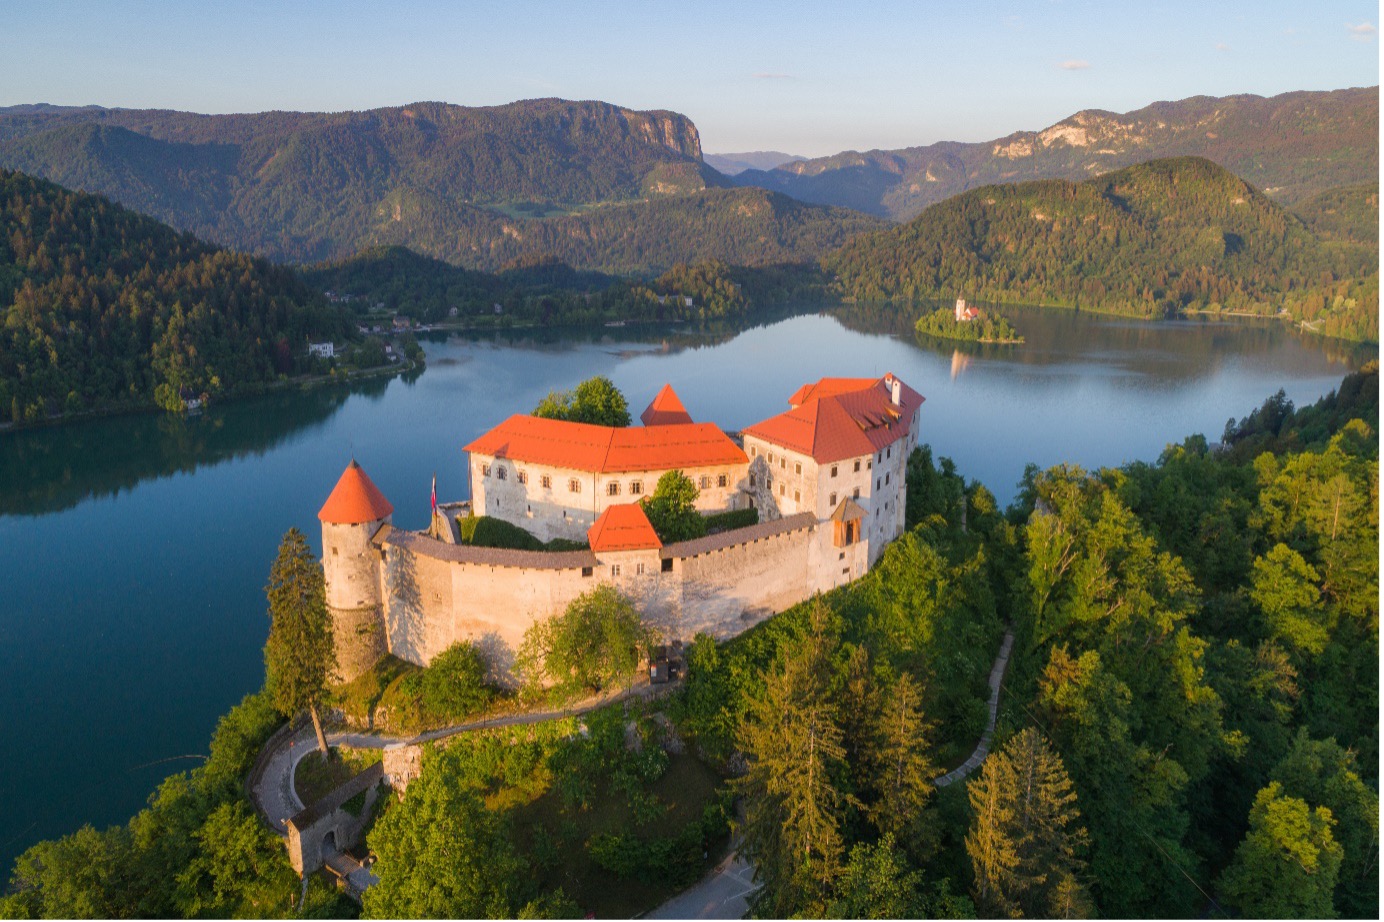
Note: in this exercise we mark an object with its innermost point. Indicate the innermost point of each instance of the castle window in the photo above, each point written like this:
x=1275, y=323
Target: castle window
x=783, y=463
x=797, y=496
x=857, y=465
x=797, y=468
x=831, y=501
x=485, y=470
x=886, y=476
x=668, y=565
x=889, y=452
x=833, y=470
x=783, y=491
x=877, y=483
x=722, y=480
x=752, y=481
x=754, y=452
x=869, y=463
x=587, y=571
x=333, y=552
x=574, y=485
x=613, y=488
x=639, y=569
x=704, y=482
x=523, y=476
x=855, y=494
x=545, y=482
x=771, y=457
x=500, y=473
x=615, y=569
x=636, y=487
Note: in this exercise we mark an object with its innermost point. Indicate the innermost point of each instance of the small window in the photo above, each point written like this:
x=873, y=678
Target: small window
x=639, y=569
x=797, y=468
x=797, y=496
x=783, y=491
x=783, y=463
x=615, y=569
x=546, y=482
x=886, y=476
x=500, y=472
x=636, y=487
x=751, y=502
x=333, y=552
x=889, y=452
x=841, y=556
x=613, y=488
x=668, y=565
x=704, y=481
x=754, y=452
x=722, y=480
x=485, y=470
x=833, y=470
x=857, y=465
x=855, y=494
x=831, y=501
x=877, y=484
x=587, y=571
x=771, y=457
x=574, y=485
x=845, y=571
x=869, y=463
x=523, y=476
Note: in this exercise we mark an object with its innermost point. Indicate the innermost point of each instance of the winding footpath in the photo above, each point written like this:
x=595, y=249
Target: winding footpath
x=722, y=894
x=277, y=800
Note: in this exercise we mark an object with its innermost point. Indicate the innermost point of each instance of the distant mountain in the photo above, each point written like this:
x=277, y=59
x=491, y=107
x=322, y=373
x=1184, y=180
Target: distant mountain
x=730, y=164
x=1148, y=240
x=1292, y=146
x=103, y=308
x=475, y=186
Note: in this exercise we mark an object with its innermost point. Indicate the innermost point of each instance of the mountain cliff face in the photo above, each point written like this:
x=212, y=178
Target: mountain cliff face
x=305, y=185
x=1292, y=146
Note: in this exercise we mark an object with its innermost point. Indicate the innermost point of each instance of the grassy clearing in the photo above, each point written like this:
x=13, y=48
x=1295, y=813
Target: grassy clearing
x=314, y=778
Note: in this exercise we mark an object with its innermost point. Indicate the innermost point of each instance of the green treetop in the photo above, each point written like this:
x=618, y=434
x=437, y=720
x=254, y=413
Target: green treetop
x=672, y=508
x=1286, y=867
x=299, y=656
x=596, y=400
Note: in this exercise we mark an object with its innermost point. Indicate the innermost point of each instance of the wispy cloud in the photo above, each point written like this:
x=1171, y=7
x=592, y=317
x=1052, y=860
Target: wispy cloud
x=1075, y=64
x=1364, y=32
x=1222, y=46
x=771, y=76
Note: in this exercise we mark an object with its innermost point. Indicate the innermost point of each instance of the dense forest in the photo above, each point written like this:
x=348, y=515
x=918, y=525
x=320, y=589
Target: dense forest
x=1292, y=146
x=1188, y=727
x=478, y=187
x=104, y=308
x=1150, y=240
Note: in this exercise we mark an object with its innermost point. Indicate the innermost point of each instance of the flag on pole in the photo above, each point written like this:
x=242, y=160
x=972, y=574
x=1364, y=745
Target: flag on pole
x=434, y=493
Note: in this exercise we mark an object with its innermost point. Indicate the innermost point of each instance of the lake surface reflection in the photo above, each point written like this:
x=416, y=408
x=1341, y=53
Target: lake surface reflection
x=135, y=548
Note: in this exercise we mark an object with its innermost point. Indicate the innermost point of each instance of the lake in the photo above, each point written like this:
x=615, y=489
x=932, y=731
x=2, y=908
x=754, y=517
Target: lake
x=135, y=549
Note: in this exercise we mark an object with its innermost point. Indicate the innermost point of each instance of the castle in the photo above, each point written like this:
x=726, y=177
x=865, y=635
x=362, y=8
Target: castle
x=827, y=478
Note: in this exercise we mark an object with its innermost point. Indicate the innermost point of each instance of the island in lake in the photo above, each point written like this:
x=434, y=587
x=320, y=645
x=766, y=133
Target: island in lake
x=968, y=323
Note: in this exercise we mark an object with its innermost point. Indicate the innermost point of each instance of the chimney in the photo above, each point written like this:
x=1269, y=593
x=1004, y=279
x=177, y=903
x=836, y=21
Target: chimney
x=896, y=392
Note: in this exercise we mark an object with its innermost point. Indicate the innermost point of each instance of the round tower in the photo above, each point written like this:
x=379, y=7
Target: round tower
x=351, y=517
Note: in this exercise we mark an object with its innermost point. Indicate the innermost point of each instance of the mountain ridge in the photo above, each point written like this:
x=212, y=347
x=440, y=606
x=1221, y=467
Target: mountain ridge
x=1293, y=145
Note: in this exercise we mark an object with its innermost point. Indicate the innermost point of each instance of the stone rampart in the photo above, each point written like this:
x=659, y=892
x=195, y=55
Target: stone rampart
x=326, y=826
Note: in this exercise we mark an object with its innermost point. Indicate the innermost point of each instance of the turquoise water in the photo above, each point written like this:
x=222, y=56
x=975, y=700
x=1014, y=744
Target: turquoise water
x=135, y=548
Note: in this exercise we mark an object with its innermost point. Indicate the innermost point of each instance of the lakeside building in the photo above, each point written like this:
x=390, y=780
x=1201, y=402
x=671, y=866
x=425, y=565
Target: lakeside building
x=827, y=478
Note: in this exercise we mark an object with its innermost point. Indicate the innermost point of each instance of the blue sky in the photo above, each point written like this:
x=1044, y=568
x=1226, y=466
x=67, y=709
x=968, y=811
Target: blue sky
x=806, y=77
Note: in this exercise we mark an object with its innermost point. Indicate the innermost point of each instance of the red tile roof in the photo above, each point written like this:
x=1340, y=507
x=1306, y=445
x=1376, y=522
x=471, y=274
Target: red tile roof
x=622, y=527
x=355, y=499
x=606, y=450
x=839, y=418
x=665, y=409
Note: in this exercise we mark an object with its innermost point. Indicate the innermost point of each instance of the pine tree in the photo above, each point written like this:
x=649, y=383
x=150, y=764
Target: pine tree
x=299, y=656
x=903, y=771
x=1025, y=841
x=793, y=807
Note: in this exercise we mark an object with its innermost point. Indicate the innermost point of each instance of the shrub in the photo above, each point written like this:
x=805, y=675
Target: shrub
x=729, y=521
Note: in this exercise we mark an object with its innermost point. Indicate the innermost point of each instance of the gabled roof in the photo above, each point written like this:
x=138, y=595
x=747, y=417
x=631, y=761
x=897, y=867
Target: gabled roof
x=840, y=418
x=622, y=527
x=607, y=450
x=848, y=510
x=665, y=409
x=355, y=499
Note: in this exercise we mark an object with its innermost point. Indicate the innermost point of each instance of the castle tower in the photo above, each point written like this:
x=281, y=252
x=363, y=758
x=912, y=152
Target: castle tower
x=352, y=515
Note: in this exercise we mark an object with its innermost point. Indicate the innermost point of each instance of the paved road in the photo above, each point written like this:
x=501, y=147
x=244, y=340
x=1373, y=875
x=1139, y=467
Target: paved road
x=722, y=894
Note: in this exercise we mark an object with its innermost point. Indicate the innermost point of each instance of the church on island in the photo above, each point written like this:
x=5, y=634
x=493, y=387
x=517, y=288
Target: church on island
x=826, y=478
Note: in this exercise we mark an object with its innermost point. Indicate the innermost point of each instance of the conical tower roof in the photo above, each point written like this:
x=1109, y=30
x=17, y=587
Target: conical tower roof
x=665, y=410
x=355, y=499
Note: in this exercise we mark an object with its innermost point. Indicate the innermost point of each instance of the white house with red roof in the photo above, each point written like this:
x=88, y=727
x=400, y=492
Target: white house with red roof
x=827, y=476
